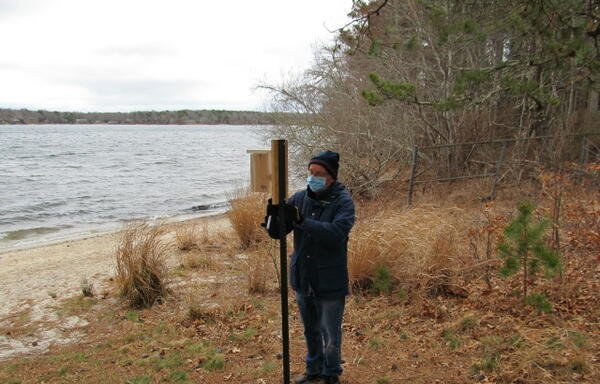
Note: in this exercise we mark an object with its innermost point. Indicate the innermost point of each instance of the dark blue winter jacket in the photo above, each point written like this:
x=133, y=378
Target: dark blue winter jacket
x=319, y=263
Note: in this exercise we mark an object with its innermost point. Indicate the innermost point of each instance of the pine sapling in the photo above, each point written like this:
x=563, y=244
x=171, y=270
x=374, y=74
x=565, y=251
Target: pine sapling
x=524, y=246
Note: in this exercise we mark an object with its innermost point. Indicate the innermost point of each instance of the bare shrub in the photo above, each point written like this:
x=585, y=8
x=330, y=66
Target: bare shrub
x=483, y=236
x=141, y=264
x=330, y=113
x=420, y=246
x=246, y=213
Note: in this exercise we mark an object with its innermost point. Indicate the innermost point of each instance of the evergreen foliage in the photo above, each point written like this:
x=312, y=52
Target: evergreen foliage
x=382, y=283
x=487, y=51
x=525, y=246
x=539, y=302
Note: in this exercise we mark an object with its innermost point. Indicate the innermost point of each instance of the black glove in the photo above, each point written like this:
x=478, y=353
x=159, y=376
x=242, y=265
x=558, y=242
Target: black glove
x=271, y=223
x=292, y=214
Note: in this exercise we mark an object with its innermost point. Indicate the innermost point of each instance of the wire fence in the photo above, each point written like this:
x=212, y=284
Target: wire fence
x=499, y=159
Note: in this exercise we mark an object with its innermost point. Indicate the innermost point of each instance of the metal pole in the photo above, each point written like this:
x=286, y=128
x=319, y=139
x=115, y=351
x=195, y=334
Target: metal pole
x=411, y=182
x=282, y=192
x=497, y=173
x=582, y=157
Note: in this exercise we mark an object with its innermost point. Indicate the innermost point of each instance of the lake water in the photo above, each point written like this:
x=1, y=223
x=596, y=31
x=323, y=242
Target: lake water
x=57, y=181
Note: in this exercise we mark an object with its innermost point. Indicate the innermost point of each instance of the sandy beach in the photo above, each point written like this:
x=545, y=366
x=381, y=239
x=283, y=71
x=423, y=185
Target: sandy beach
x=33, y=279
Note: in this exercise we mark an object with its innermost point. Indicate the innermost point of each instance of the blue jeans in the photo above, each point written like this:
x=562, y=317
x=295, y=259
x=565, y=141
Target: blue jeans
x=322, y=320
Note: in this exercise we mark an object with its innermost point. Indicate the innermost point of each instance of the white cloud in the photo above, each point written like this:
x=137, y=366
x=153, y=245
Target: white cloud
x=124, y=55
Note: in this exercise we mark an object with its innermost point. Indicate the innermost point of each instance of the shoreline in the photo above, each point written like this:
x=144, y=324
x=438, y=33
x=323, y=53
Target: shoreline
x=96, y=231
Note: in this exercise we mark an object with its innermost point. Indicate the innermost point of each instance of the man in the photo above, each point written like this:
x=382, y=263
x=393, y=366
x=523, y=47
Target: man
x=321, y=218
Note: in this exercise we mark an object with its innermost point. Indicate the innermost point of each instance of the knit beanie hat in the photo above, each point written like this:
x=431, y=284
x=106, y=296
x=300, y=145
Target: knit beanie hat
x=329, y=160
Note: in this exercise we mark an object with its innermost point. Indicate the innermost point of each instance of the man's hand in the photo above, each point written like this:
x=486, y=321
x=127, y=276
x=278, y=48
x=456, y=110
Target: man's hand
x=271, y=223
x=293, y=214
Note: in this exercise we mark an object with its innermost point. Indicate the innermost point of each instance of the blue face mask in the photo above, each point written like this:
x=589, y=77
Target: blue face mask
x=316, y=183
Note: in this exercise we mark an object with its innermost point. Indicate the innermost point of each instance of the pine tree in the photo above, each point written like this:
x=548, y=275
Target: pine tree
x=524, y=246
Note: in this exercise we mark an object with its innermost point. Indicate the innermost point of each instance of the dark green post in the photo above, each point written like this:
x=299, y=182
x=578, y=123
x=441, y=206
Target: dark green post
x=582, y=158
x=497, y=172
x=279, y=153
x=411, y=182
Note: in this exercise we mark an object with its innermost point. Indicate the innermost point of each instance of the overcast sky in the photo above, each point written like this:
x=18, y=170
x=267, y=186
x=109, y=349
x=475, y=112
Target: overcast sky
x=123, y=55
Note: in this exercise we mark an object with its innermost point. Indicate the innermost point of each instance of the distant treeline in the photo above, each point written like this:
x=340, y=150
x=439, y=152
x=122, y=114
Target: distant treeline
x=25, y=116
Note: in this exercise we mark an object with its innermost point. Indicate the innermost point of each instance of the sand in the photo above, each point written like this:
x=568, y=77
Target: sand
x=35, y=279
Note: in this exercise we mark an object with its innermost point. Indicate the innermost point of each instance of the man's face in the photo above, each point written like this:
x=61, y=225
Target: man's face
x=320, y=171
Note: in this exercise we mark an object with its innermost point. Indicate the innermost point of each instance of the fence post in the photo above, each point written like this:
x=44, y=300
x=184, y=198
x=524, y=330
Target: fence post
x=497, y=172
x=411, y=182
x=582, y=157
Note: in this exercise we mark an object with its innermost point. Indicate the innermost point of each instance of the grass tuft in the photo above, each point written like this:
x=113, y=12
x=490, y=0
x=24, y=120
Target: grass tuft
x=539, y=302
x=266, y=369
x=170, y=361
x=382, y=282
x=199, y=260
x=246, y=213
x=578, y=365
x=187, y=237
x=214, y=361
x=87, y=288
x=141, y=264
x=139, y=380
x=467, y=323
x=133, y=316
x=452, y=341
x=492, y=346
x=178, y=377
x=578, y=339
x=75, y=305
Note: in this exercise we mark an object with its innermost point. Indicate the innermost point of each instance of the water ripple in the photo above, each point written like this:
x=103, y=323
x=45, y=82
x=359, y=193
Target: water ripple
x=57, y=176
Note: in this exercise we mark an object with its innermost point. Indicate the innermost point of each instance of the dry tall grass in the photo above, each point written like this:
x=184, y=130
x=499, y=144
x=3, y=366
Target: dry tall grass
x=188, y=236
x=199, y=260
x=420, y=246
x=246, y=213
x=141, y=264
x=261, y=269
x=204, y=244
